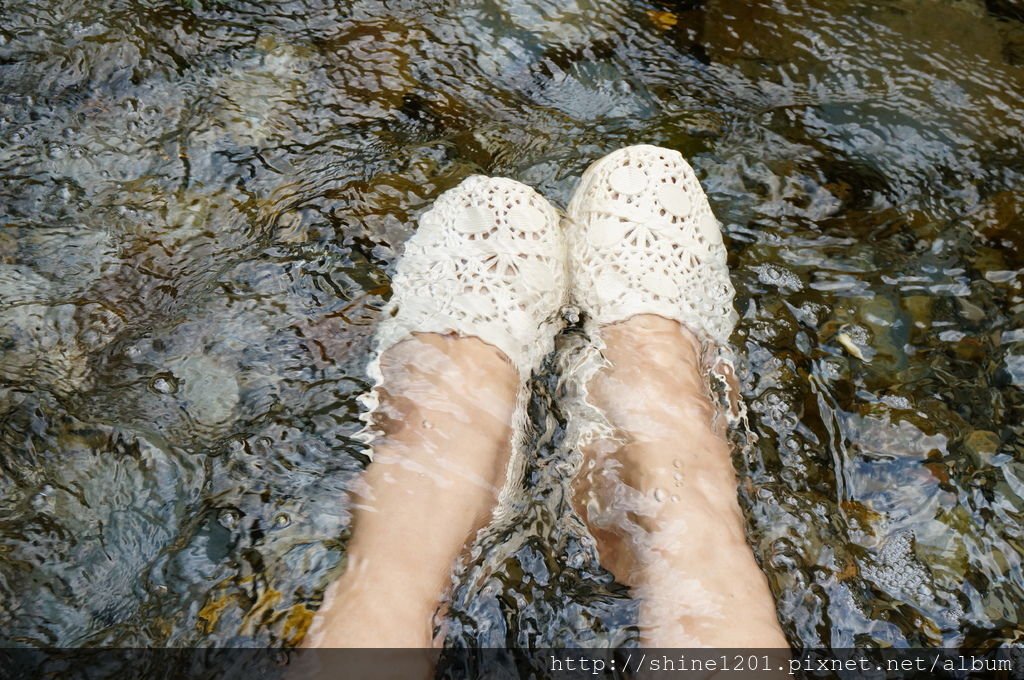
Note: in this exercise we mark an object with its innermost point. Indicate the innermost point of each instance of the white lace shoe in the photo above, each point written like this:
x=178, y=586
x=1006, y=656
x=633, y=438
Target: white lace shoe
x=487, y=261
x=642, y=240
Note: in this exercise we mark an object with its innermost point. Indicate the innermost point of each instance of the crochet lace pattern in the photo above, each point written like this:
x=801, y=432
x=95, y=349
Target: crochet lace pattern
x=488, y=260
x=643, y=240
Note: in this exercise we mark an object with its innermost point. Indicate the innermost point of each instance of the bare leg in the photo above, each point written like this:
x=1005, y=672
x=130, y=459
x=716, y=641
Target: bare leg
x=446, y=407
x=473, y=308
x=662, y=502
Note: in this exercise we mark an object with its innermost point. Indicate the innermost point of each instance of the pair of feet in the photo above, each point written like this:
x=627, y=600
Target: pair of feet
x=477, y=302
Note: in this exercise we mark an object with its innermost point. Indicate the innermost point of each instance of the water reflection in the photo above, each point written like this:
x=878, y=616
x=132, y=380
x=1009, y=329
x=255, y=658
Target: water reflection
x=202, y=202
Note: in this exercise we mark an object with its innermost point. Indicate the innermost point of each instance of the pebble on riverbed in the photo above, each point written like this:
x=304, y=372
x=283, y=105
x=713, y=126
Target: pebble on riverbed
x=983, y=444
x=208, y=389
x=856, y=341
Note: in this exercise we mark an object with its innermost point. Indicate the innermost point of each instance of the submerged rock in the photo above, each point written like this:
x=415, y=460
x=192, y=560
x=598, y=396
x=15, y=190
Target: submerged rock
x=44, y=341
x=208, y=389
x=94, y=506
x=983, y=444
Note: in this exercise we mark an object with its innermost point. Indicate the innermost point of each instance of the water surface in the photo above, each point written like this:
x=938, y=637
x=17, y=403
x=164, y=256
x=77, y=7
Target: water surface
x=201, y=203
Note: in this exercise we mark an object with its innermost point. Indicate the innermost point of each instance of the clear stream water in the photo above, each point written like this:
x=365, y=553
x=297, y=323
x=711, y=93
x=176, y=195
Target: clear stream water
x=201, y=202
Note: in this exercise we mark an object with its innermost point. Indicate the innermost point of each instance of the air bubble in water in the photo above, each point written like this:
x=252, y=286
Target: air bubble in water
x=228, y=519
x=780, y=277
x=164, y=383
x=43, y=501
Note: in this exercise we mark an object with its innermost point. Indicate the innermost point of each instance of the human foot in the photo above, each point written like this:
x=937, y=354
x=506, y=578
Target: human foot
x=444, y=416
x=648, y=267
x=661, y=497
x=475, y=307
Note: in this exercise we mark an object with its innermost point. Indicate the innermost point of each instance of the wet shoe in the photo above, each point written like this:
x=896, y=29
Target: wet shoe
x=643, y=240
x=487, y=261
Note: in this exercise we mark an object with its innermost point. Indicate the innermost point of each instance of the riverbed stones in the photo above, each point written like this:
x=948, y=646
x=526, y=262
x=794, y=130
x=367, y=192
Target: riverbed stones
x=982, y=443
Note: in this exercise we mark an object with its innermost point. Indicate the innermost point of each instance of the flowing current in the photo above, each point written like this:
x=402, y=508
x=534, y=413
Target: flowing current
x=202, y=201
